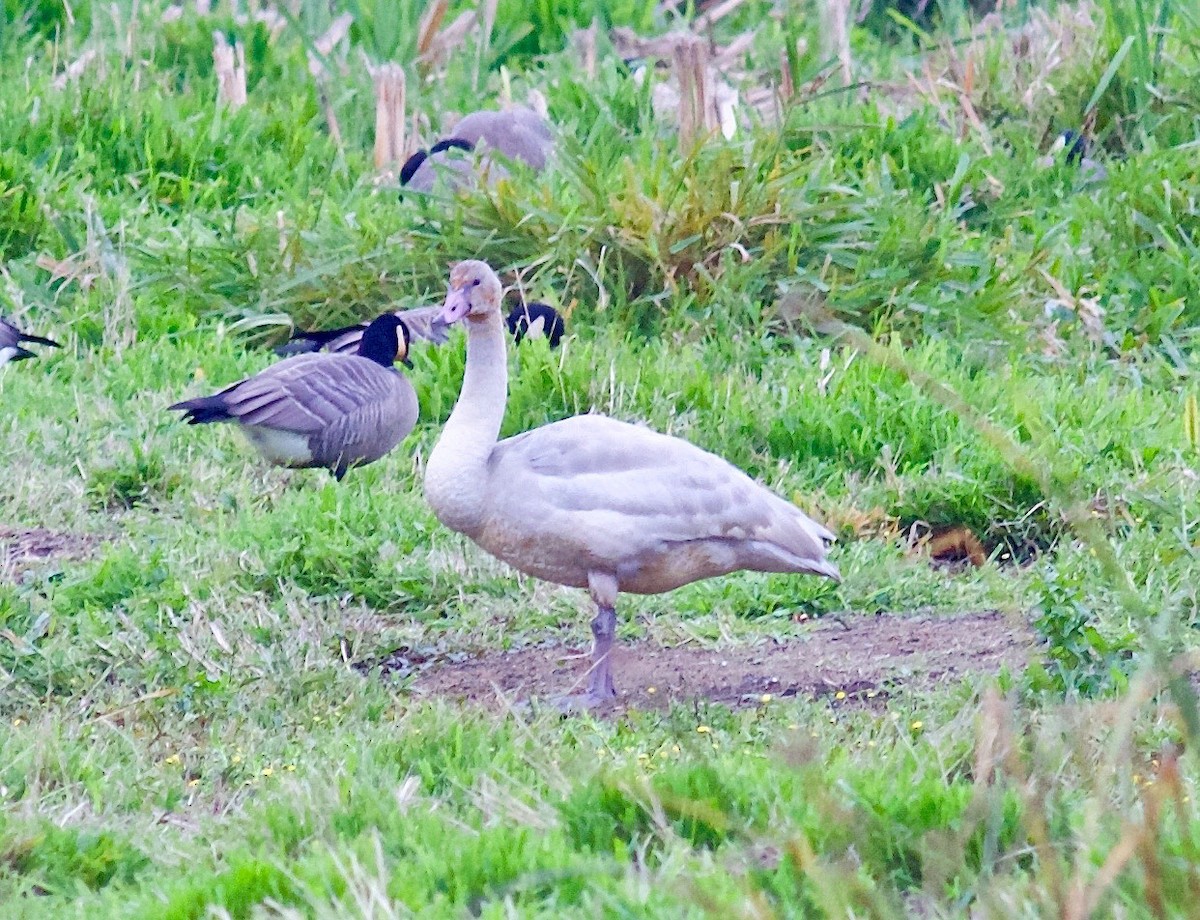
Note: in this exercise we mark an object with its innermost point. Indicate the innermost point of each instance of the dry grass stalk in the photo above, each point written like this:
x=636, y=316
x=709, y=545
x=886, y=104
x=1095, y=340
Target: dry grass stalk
x=787, y=89
x=389, y=115
x=583, y=41
x=447, y=40
x=229, y=63
x=487, y=22
x=835, y=35
x=710, y=17
x=431, y=21
x=993, y=737
x=697, y=94
x=74, y=70
x=332, y=37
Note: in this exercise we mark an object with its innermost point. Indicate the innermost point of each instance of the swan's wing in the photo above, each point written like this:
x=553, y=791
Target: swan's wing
x=307, y=393
x=632, y=490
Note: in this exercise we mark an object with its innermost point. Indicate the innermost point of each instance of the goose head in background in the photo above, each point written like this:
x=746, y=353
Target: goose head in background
x=524, y=321
x=326, y=410
x=1072, y=148
x=421, y=323
x=413, y=163
x=12, y=339
x=517, y=134
x=592, y=502
x=535, y=320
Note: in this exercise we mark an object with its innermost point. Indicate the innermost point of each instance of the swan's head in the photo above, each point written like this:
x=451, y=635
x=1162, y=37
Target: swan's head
x=475, y=291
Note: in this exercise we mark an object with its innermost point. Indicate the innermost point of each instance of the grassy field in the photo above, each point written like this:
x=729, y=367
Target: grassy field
x=895, y=302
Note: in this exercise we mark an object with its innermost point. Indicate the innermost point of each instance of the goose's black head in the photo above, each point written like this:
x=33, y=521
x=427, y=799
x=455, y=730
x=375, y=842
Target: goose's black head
x=413, y=163
x=533, y=319
x=385, y=341
x=1075, y=144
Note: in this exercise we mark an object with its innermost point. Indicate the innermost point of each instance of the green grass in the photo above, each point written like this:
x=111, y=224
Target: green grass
x=190, y=720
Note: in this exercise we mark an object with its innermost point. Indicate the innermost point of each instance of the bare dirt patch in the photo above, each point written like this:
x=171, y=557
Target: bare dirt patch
x=22, y=549
x=859, y=655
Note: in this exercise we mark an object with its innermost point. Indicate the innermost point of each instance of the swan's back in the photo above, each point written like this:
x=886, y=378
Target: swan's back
x=592, y=493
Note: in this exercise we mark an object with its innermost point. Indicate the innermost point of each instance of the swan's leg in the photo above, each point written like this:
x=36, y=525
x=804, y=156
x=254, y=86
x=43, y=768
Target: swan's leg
x=603, y=589
x=604, y=628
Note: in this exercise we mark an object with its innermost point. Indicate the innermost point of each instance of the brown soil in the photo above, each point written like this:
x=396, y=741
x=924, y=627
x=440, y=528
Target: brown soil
x=22, y=549
x=860, y=655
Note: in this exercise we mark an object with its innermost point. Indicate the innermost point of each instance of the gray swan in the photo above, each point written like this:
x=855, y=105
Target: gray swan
x=592, y=502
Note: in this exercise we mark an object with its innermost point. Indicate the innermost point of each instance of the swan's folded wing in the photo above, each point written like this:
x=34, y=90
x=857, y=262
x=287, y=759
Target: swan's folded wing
x=632, y=490
x=307, y=393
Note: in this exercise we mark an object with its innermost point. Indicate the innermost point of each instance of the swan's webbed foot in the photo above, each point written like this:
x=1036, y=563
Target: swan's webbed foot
x=581, y=702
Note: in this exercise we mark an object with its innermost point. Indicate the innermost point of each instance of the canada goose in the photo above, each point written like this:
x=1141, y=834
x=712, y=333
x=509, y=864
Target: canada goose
x=1075, y=146
x=518, y=133
x=533, y=320
x=11, y=339
x=322, y=410
x=593, y=502
x=526, y=320
x=419, y=322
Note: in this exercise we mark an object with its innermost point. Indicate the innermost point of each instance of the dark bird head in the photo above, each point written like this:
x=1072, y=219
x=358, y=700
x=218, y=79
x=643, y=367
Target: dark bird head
x=385, y=341
x=413, y=163
x=12, y=338
x=1074, y=143
x=536, y=319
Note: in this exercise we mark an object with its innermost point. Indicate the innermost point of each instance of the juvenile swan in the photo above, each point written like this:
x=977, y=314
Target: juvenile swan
x=322, y=410
x=593, y=502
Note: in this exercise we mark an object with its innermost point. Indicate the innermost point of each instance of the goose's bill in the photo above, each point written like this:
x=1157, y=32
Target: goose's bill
x=457, y=306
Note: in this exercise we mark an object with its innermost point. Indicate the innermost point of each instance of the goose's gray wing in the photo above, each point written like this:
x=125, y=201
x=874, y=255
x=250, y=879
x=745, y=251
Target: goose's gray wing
x=368, y=431
x=518, y=133
x=307, y=393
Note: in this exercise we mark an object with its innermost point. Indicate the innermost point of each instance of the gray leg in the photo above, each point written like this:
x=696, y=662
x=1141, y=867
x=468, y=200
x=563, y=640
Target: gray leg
x=604, y=628
x=600, y=690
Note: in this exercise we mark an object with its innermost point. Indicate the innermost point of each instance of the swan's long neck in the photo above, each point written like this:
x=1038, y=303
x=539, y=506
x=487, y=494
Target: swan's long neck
x=456, y=476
